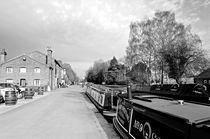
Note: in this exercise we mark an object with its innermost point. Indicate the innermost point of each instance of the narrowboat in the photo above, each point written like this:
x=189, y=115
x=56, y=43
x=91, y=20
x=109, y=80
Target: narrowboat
x=148, y=116
x=104, y=98
x=99, y=96
x=197, y=93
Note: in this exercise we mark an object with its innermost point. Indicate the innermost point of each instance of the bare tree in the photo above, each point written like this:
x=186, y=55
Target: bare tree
x=185, y=56
x=165, y=45
x=141, y=48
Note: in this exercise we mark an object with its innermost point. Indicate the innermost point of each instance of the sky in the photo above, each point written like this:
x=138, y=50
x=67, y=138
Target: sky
x=83, y=31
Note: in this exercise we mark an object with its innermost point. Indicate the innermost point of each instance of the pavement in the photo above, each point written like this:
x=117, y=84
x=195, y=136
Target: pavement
x=61, y=114
x=5, y=108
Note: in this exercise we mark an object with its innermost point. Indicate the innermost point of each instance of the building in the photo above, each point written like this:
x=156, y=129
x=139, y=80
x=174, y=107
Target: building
x=203, y=77
x=32, y=69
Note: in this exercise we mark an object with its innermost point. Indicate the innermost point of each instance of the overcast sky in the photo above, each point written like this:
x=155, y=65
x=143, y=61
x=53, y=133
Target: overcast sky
x=83, y=31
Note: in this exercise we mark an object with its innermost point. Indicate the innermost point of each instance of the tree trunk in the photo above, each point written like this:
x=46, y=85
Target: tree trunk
x=161, y=72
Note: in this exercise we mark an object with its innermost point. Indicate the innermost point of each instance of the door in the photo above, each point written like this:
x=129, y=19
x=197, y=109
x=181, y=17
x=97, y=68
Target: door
x=22, y=82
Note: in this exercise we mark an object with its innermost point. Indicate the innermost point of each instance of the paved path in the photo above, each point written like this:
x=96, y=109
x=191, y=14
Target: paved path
x=64, y=114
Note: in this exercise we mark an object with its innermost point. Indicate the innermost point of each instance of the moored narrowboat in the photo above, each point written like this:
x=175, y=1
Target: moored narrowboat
x=104, y=98
x=197, y=93
x=156, y=117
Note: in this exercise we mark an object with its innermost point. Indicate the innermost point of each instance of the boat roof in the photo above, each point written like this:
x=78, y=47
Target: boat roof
x=194, y=113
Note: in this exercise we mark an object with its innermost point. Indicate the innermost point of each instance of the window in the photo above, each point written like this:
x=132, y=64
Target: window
x=22, y=70
x=37, y=70
x=37, y=82
x=9, y=70
x=9, y=80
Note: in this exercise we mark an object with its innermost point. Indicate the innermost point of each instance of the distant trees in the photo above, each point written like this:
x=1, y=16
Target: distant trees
x=165, y=46
x=139, y=73
x=116, y=73
x=71, y=75
x=110, y=72
x=96, y=73
x=157, y=47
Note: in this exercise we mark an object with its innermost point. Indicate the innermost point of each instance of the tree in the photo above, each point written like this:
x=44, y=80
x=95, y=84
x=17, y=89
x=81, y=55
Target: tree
x=71, y=75
x=165, y=30
x=111, y=74
x=113, y=64
x=141, y=45
x=183, y=52
x=116, y=73
x=164, y=45
x=96, y=73
x=139, y=73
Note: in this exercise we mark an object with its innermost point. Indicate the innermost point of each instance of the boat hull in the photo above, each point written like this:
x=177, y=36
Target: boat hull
x=139, y=119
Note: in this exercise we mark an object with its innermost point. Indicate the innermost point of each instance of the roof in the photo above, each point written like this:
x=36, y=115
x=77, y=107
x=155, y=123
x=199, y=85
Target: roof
x=194, y=113
x=41, y=57
x=24, y=55
x=36, y=52
x=59, y=62
x=204, y=74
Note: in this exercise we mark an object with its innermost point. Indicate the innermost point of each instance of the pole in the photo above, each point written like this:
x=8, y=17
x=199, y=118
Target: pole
x=161, y=72
x=129, y=90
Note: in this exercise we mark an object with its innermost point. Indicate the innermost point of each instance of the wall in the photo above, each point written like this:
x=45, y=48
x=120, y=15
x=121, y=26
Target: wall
x=38, y=56
x=30, y=64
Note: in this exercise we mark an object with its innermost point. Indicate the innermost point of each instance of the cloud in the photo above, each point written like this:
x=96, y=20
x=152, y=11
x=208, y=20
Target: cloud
x=105, y=14
x=85, y=30
x=173, y=5
x=95, y=13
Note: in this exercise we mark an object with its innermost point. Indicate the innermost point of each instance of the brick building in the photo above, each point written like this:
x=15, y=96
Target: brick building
x=32, y=69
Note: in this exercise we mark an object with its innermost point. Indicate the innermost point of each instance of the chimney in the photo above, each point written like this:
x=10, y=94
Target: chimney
x=49, y=56
x=3, y=54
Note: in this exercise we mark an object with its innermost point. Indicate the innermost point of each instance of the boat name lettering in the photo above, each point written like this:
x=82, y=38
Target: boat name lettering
x=138, y=125
x=146, y=129
x=154, y=136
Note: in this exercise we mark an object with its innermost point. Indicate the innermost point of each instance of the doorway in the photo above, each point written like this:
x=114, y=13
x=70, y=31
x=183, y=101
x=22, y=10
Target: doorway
x=22, y=82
